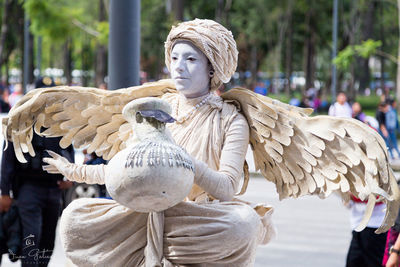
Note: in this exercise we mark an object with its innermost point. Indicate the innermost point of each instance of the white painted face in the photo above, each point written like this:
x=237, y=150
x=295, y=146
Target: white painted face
x=190, y=70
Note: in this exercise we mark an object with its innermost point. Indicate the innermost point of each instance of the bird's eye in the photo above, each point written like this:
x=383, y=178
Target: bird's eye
x=139, y=118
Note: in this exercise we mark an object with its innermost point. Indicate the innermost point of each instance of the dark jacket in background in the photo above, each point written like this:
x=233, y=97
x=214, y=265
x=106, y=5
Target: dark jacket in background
x=15, y=173
x=10, y=233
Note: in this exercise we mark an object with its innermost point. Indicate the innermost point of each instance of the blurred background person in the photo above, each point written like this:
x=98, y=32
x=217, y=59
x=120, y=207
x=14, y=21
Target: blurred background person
x=358, y=114
x=366, y=248
x=37, y=192
x=383, y=108
x=16, y=94
x=392, y=126
x=341, y=108
x=103, y=86
x=4, y=106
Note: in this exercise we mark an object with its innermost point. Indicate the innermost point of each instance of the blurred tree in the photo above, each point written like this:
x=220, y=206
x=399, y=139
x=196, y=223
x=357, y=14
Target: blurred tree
x=363, y=74
x=7, y=4
x=68, y=60
x=351, y=22
x=364, y=50
x=222, y=11
x=11, y=32
x=155, y=25
x=101, y=49
x=276, y=39
x=288, y=47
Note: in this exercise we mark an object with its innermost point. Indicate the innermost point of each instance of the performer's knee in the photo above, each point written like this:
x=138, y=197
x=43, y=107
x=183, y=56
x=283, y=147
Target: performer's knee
x=244, y=226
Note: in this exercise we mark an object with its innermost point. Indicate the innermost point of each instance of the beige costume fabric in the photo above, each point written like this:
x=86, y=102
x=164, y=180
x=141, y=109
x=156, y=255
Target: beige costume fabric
x=100, y=232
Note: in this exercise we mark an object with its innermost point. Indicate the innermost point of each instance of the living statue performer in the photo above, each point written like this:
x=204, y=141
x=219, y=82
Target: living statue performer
x=302, y=155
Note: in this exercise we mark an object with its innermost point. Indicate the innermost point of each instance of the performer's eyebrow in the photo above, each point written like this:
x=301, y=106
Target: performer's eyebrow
x=190, y=53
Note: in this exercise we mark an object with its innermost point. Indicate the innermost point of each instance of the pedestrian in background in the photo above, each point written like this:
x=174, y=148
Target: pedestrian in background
x=366, y=248
x=358, y=114
x=392, y=126
x=383, y=108
x=37, y=194
x=16, y=94
x=341, y=108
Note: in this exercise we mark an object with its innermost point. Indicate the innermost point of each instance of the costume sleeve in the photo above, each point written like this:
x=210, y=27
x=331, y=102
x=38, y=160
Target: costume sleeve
x=90, y=174
x=7, y=169
x=224, y=183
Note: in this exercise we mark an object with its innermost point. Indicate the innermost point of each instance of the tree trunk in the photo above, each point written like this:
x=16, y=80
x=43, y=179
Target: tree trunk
x=101, y=64
x=21, y=43
x=352, y=40
x=382, y=58
x=253, y=65
x=51, y=53
x=101, y=52
x=310, y=50
x=367, y=33
x=84, y=60
x=219, y=10
x=288, y=52
x=177, y=7
x=68, y=61
x=7, y=72
x=4, y=28
x=31, y=67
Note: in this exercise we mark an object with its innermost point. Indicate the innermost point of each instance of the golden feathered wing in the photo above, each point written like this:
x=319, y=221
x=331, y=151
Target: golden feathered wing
x=82, y=116
x=318, y=155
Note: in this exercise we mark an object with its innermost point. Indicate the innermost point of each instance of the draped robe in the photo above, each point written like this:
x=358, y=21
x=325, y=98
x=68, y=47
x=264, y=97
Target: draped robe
x=199, y=231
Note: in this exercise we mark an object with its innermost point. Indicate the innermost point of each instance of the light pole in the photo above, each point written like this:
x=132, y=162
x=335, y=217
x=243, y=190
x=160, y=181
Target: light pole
x=124, y=44
x=334, y=48
x=26, y=53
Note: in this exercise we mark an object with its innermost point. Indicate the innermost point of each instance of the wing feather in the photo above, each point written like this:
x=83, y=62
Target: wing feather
x=82, y=116
x=318, y=155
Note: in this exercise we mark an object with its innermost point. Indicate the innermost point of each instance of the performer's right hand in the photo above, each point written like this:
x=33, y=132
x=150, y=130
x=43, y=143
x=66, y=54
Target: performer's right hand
x=5, y=203
x=56, y=164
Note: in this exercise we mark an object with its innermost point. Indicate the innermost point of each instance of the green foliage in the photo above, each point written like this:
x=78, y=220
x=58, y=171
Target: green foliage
x=103, y=28
x=346, y=57
x=49, y=19
x=367, y=48
x=155, y=25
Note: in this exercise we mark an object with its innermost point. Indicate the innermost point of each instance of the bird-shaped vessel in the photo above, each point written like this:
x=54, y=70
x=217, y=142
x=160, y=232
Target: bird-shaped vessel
x=152, y=173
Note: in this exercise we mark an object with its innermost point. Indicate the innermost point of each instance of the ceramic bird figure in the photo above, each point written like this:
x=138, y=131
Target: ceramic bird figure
x=152, y=173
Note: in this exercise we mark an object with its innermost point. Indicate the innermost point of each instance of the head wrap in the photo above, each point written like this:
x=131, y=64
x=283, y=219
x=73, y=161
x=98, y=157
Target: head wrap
x=214, y=40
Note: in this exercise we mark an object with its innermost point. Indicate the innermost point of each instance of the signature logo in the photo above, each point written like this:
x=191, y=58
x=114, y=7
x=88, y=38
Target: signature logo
x=29, y=241
x=34, y=253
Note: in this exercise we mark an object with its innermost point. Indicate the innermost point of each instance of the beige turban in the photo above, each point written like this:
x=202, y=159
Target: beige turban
x=214, y=40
